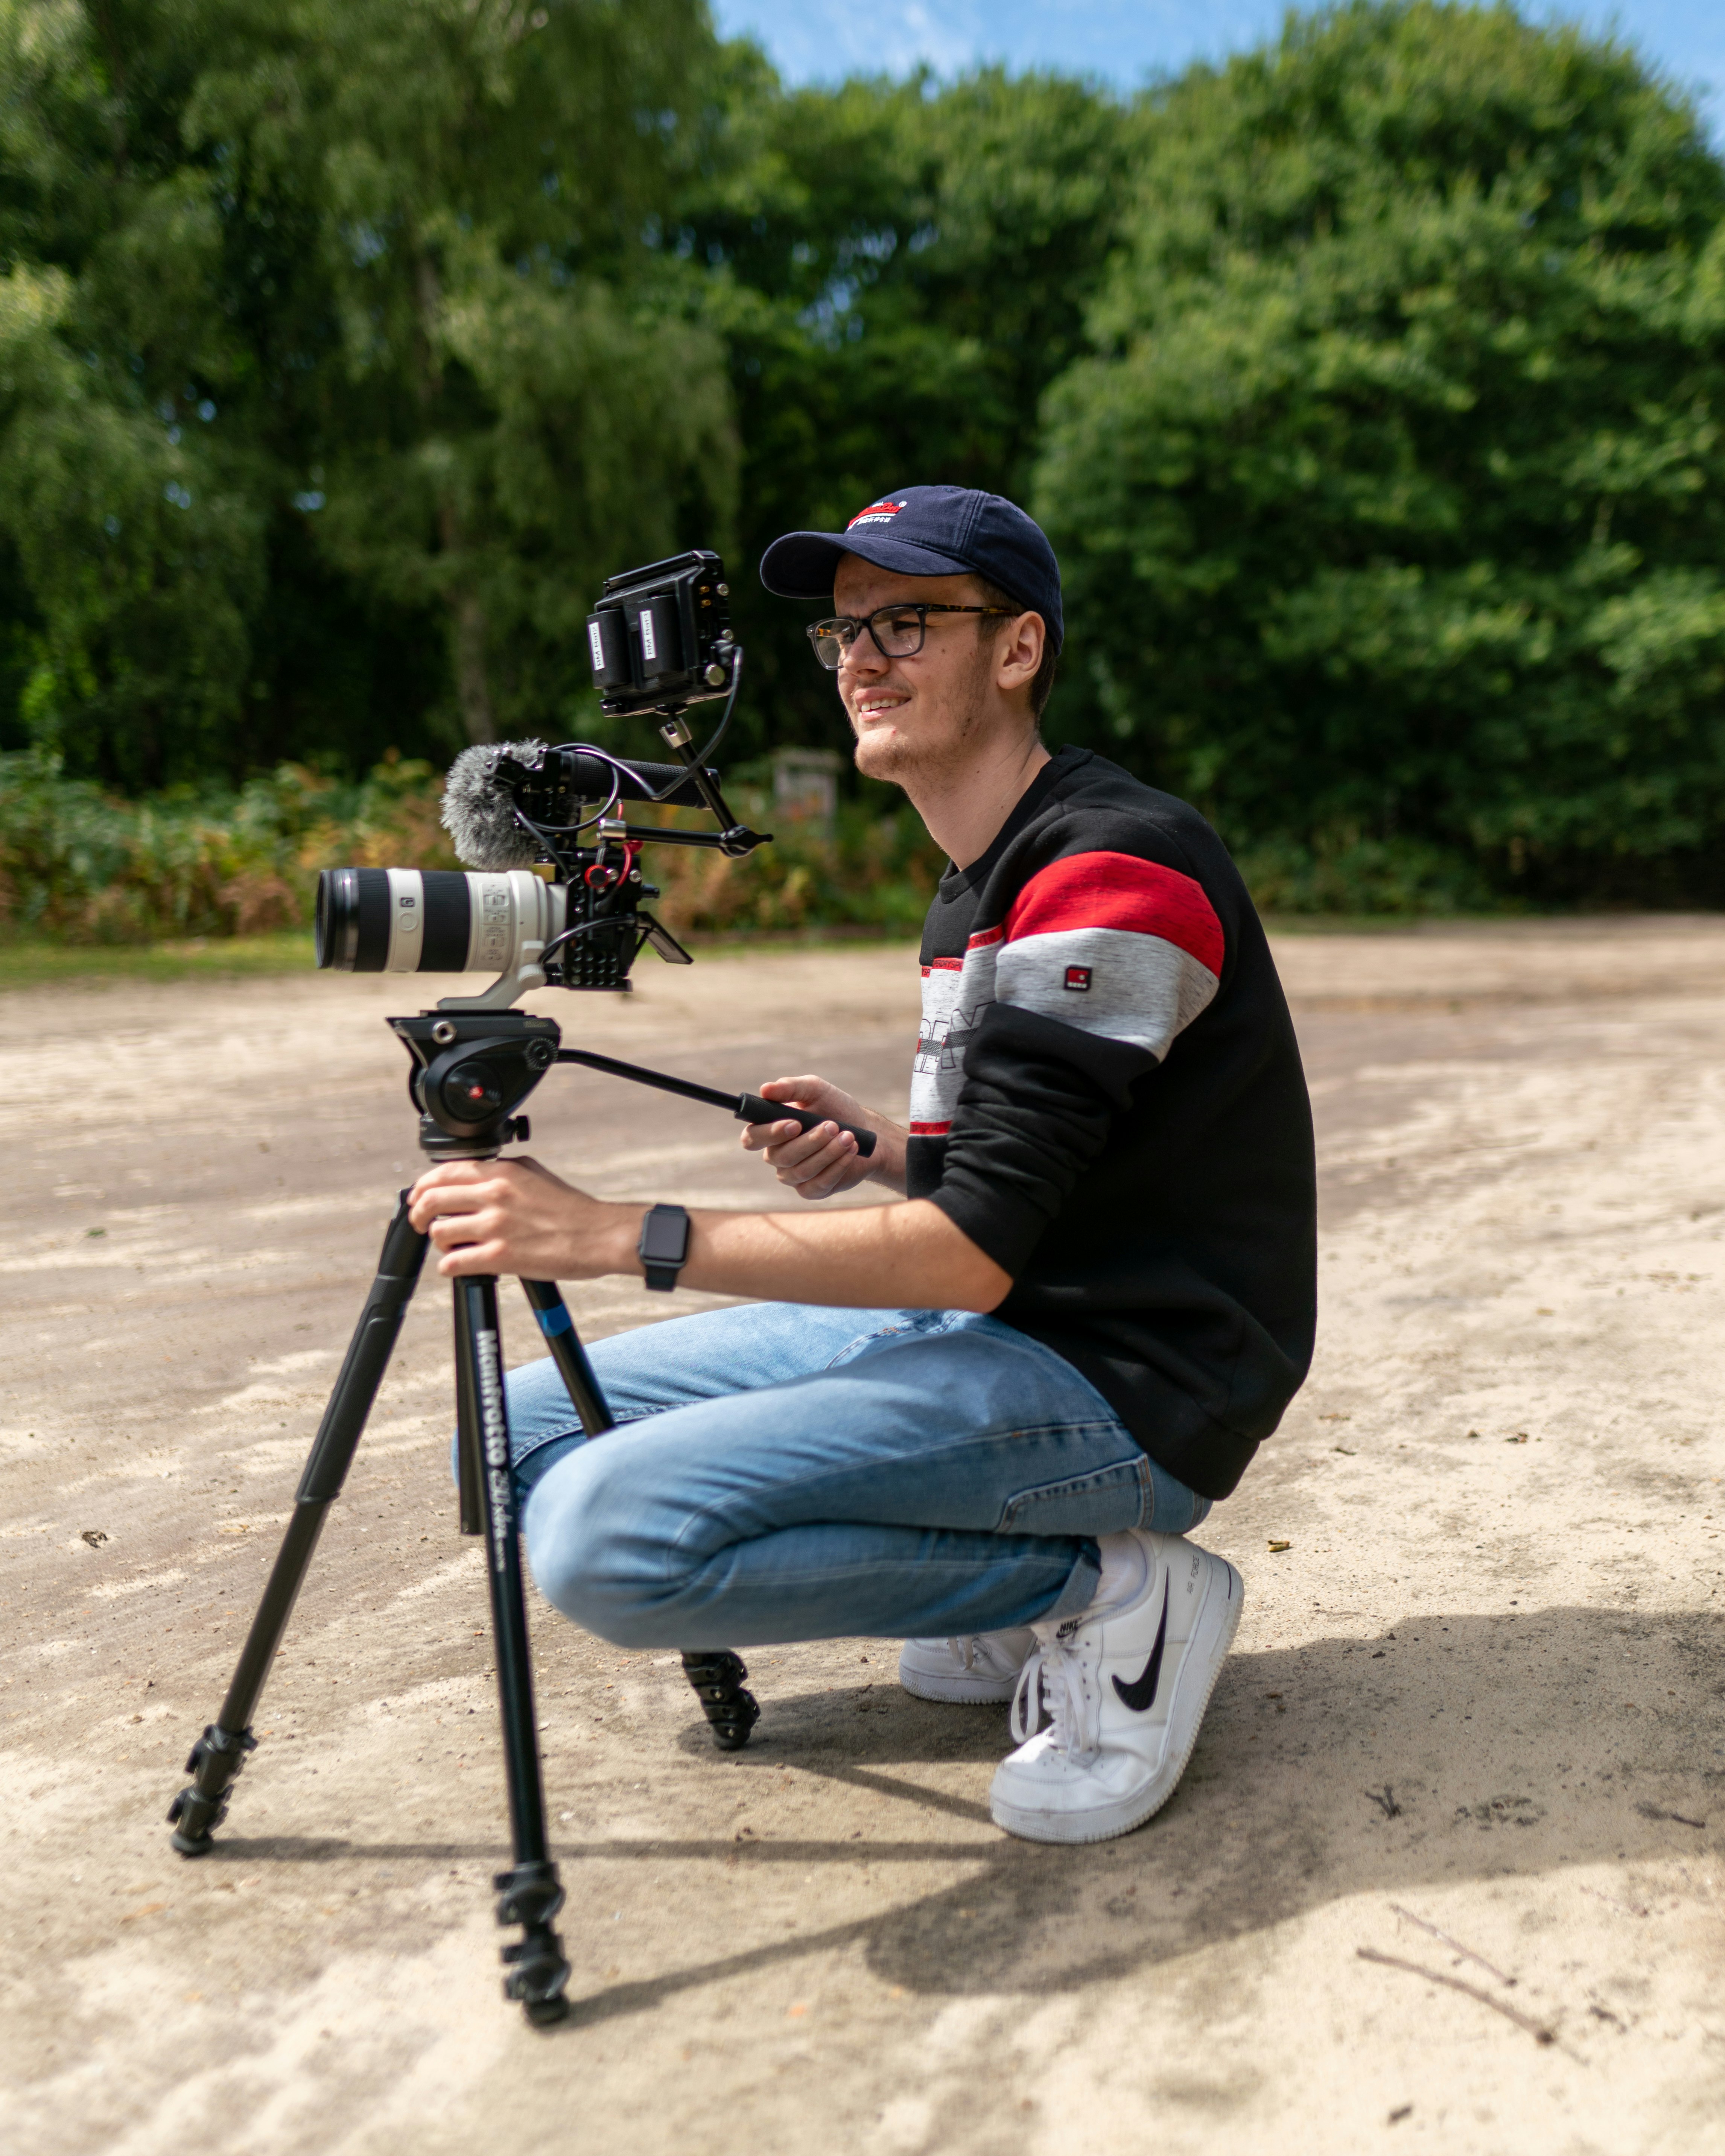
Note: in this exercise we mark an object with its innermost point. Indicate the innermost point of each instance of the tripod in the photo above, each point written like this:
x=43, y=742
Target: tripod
x=472, y=1070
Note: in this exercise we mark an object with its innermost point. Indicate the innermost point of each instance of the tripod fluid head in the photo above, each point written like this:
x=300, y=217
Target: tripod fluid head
x=472, y=1070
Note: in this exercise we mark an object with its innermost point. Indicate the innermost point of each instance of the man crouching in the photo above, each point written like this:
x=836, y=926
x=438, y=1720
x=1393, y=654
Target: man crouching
x=984, y=1420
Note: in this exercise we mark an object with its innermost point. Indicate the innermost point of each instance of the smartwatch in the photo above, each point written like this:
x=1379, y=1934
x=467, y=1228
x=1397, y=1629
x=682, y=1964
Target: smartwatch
x=663, y=1247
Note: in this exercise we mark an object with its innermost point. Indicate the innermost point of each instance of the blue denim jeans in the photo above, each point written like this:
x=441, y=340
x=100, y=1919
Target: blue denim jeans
x=783, y=1472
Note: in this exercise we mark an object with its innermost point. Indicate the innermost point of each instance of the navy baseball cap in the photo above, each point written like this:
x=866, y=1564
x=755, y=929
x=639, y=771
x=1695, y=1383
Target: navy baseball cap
x=928, y=532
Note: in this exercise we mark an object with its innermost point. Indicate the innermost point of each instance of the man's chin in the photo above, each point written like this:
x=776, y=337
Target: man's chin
x=883, y=753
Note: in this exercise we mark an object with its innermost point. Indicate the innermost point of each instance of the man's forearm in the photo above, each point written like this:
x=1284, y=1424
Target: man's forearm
x=905, y=1256
x=514, y=1216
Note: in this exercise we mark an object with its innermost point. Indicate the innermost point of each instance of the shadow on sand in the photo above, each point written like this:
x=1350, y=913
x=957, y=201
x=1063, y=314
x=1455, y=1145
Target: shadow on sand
x=1453, y=1748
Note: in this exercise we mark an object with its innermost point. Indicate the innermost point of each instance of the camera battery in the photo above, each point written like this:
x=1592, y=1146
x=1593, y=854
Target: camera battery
x=608, y=645
x=659, y=625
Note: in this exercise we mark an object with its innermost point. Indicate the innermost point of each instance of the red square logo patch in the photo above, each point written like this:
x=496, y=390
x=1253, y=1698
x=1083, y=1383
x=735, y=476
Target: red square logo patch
x=1078, y=977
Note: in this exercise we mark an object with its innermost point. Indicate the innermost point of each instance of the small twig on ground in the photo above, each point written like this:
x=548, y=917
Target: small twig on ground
x=1657, y=1812
x=1628, y=1908
x=1384, y=1798
x=1537, y=2029
x=1466, y=1952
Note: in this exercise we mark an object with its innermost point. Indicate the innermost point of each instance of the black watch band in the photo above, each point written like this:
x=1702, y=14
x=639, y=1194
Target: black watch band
x=663, y=1247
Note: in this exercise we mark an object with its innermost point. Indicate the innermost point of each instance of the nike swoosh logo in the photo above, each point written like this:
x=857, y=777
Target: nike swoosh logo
x=1140, y=1695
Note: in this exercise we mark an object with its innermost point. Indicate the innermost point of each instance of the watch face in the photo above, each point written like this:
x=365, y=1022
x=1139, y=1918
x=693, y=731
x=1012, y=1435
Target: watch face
x=664, y=1237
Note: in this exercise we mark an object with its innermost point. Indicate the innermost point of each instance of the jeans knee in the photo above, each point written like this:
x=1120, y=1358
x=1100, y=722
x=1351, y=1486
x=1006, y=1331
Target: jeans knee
x=591, y=1555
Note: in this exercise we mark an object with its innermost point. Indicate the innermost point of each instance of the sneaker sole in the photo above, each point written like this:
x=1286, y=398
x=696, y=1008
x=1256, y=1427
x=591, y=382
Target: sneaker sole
x=1108, y=1822
x=976, y=1691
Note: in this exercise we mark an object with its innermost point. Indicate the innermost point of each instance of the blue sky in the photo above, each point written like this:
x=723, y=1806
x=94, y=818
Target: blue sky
x=1125, y=40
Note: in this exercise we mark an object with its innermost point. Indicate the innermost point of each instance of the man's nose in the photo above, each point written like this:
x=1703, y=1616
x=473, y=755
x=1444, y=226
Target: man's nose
x=863, y=656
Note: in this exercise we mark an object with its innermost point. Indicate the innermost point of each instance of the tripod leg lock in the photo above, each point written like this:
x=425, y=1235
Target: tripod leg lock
x=531, y=1896
x=216, y=1758
x=717, y=1678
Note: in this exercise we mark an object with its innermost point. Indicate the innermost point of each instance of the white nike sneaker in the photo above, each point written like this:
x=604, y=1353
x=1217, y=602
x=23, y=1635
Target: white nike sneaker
x=980, y=1670
x=1124, y=1690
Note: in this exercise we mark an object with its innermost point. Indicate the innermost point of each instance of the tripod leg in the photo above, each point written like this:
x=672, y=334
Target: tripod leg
x=219, y=1754
x=530, y=1893
x=731, y=1710
x=470, y=1467
x=569, y=1355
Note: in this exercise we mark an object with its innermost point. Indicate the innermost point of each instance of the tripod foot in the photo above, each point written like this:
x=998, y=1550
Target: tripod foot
x=531, y=1896
x=216, y=1758
x=717, y=1678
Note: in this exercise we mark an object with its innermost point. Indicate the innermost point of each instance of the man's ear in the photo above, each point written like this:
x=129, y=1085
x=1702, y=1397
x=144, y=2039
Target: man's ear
x=1018, y=652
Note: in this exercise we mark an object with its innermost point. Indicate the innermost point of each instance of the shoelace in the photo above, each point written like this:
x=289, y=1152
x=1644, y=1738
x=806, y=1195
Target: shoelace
x=1053, y=1680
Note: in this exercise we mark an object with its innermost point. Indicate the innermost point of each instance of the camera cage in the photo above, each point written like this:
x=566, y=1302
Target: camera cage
x=658, y=640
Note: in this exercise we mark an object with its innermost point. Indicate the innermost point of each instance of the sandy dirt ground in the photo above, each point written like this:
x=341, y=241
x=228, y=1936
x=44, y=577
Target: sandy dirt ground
x=1446, y=1869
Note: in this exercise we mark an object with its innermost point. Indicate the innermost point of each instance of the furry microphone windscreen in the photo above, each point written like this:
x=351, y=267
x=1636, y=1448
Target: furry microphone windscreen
x=479, y=817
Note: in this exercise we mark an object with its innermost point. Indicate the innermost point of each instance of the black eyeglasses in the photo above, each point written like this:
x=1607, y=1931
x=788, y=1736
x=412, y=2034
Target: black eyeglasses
x=898, y=631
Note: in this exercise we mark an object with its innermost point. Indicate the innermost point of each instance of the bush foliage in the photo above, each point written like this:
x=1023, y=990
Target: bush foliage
x=90, y=867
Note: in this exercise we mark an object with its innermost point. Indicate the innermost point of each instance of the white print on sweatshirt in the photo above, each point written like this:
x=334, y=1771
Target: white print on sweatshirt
x=1105, y=942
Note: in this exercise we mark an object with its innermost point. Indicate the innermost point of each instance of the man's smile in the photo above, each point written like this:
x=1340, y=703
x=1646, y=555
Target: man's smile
x=876, y=703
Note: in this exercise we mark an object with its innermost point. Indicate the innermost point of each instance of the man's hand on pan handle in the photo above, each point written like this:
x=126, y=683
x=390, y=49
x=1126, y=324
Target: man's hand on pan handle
x=819, y=1162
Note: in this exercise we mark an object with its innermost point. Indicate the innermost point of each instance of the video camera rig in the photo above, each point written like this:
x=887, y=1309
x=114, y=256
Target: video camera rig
x=658, y=640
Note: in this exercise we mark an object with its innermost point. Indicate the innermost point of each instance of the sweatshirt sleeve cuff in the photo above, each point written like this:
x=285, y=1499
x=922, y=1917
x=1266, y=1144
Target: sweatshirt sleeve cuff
x=1005, y=1232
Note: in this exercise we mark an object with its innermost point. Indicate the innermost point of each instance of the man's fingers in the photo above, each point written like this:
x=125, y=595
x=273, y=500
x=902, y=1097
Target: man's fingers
x=825, y=1184
x=456, y=1229
x=757, y=1137
x=786, y=1144
x=799, y=1092
x=802, y=1153
x=456, y=1182
x=449, y=1201
x=452, y=1175
x=824, y=1163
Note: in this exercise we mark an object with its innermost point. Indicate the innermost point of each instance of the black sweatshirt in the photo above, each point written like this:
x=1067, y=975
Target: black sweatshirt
x=1108, y=1102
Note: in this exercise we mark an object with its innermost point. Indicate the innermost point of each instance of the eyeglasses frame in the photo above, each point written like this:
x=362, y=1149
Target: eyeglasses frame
x=921, y=608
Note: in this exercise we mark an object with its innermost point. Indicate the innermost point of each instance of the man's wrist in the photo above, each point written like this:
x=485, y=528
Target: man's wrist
x=887, y=1166
x=617, y=1239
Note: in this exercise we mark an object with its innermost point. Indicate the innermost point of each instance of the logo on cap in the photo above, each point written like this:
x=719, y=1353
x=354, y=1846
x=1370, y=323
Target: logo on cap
x=877, y=512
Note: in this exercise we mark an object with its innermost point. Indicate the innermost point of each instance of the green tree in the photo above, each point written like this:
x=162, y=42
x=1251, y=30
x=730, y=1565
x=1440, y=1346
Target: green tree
x=523, y=397
x=338, y=360
x=1392, y=501
x=133, y=532
x=899, y=271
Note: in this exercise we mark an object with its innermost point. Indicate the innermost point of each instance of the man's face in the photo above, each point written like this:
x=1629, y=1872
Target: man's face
x=926, y=716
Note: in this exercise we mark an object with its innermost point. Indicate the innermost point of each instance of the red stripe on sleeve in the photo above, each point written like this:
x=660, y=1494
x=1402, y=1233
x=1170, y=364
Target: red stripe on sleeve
x=1118, y=890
